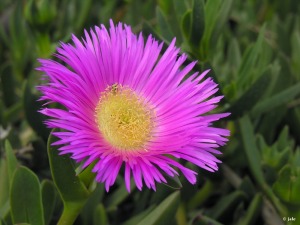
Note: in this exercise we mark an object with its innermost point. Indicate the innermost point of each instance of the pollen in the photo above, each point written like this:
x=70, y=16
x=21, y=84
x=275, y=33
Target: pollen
x=124, y=119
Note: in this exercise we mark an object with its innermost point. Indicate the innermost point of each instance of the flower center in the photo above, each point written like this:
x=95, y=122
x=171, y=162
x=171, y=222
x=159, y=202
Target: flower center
x=123, y=118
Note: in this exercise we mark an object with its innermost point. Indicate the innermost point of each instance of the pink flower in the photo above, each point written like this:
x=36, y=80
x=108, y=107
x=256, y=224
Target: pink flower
x=124, y=105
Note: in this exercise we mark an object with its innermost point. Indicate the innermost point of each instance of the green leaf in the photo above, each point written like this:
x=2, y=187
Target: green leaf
x=5, y=209
x=8, y=86
x=165, y=5
x=26, y=198
x=295, y=160
x=249, y=99
x=164, y=212
x=254, y=160
x=4, y=189
x=100, y=217
x=197, y=22
x=287, y=187
x=173, y=182
x=34, y=118
x=165, y=29
x=119, y=195
x=88, y=211
x=13, y=113
x=295, y=42
x=88, y=177
x=283, y=139
x=234, y=53
x=277, y=155
x=293, y=119
x=269, y=123
x=137, y=218
x=276, y=100
x=3, y=122
x=186, y=23
x=7, y=169
x=12, y=162
x=148, y=29
x=39, y=155
x=250, y=149
x=68, y=184
x=49, y=199
x=222, y=16
x=83, y=13
x=212, y=8
x=180, y=8
x=247, y=187
x=201, y=219
x=73, y=192
x=24, y=224
x=226, y=204
x=200, y=197
x=250, y=58
x=253, y=211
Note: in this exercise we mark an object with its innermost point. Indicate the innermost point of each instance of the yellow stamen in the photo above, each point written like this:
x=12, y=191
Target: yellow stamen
x=123, y=118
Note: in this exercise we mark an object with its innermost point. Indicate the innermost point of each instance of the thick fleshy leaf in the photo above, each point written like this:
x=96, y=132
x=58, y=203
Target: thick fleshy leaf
x=201, y=195
x=165, y=29
x=94, y=200
x=201, y=219
x=277, y=100
x=119, y=195
x=226, y=204
x=211, y=9
x=197, y=22
x=247, y=187
x=250, y=59
x=293, y=119
x=72, y=190
x=12, y=162
x=222, y=17
x=164, y=212
x=180, y=8
x=68, y=184
x=234, y=53
x=137, y=218
x=295, y=42
x=49, y=196
x=7, y=169
x=186, y=23
x=4, y=189
x=7, y=86
x=88, y=177
x=31, y=107
x=248, y=100
x=253, y=211
x=173, y=182
x=287, y=187
x=148, y=29
x=12, y=114
x=26, y=198
x=100, y=217
x=250, y=149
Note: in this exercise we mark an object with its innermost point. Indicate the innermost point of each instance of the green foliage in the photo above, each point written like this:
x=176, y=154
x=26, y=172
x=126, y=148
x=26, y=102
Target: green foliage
x=253, y=49
x=163, y=213
x=49, y=197
x=26, y=198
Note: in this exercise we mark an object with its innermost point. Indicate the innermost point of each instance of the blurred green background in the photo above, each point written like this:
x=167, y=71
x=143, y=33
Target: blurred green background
x=253, y=49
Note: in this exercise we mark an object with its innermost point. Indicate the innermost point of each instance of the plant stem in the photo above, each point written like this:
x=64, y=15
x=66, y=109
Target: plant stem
x=70, y=213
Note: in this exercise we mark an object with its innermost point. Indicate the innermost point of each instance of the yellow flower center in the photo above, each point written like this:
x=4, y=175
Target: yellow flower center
x=123, y=118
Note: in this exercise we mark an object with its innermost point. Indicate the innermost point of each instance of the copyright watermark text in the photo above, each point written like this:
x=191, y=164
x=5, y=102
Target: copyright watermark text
x=288, y=219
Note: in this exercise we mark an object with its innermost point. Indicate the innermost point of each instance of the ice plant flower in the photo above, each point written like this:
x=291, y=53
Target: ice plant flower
x=123, y=104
